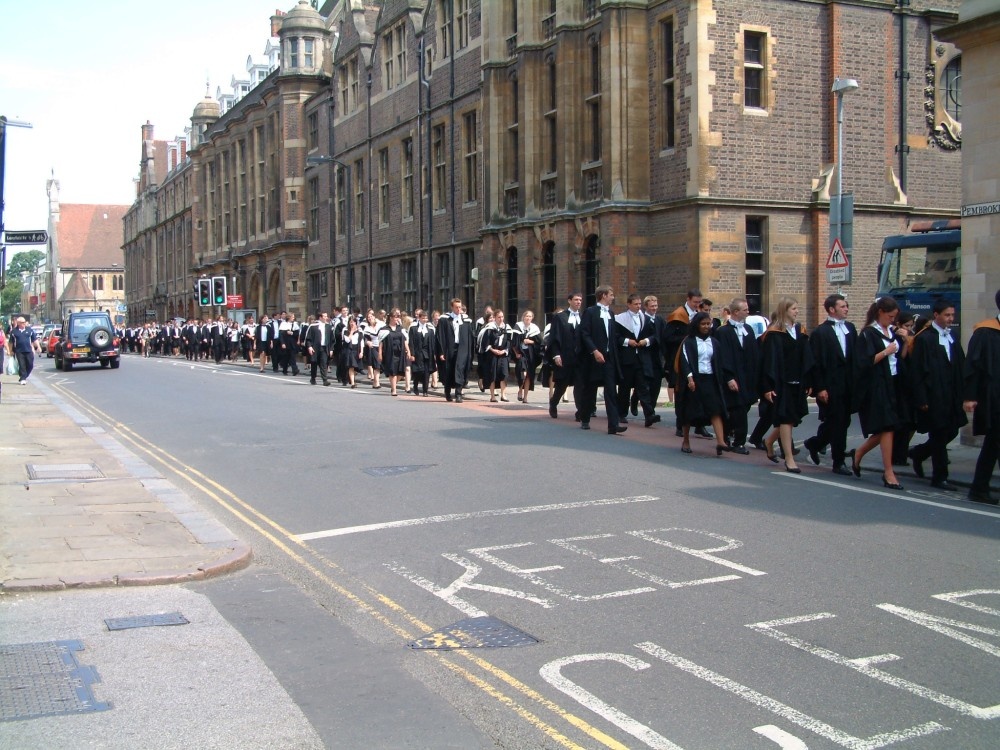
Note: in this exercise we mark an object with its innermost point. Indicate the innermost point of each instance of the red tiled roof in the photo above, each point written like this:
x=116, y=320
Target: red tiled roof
x=90, y=236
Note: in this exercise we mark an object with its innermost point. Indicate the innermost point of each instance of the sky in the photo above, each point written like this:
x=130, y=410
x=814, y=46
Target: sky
x=104, y=69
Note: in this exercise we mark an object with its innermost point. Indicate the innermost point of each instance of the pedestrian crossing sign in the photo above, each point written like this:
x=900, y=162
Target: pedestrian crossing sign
x=837, y=258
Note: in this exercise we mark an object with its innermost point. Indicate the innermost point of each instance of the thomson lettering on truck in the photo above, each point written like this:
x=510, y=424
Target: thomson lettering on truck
x=917, y=268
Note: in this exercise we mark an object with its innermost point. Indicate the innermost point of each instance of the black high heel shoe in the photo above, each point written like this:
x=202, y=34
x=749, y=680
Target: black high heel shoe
x=891, y=485
x=855, y=468
x=792, y=469
x=720, y=449
x=770, y=456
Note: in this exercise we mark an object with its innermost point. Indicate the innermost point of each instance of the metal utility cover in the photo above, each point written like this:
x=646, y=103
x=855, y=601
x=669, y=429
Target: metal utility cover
x=145, y=621
x=64, y=471
x=391, y=471
x=475, y=632
x=44, y=679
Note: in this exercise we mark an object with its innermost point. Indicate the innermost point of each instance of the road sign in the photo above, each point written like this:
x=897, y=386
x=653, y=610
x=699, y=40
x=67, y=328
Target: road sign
x=837, y=257
x=39, y=237
x=234, y=301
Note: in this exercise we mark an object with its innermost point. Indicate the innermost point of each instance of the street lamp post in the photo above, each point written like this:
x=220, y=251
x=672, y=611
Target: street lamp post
x=841, y=86
x=4, y=124
x=313, y=161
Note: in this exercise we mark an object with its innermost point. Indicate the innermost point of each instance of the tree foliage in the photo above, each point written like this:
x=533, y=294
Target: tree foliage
x=10, y=297
x=25, y=263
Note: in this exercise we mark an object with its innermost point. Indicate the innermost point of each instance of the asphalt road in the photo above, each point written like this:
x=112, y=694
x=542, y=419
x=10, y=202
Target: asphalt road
x=677, y=601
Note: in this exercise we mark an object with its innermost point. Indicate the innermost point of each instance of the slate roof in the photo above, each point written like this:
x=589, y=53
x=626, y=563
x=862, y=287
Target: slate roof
x=76, y=290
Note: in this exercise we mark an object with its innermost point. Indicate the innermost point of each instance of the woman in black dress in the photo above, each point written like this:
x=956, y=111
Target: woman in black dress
x=527, y=344
x=700, y=397
x=877, y=386
x=394, y=350
x=786, y=374
x=495, y=354
x=353, y=350
x=423, y=347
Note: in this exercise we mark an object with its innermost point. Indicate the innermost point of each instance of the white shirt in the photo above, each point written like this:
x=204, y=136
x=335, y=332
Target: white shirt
x=840, y=328
x=886, y=340
x=705, y=350
x=945, y=339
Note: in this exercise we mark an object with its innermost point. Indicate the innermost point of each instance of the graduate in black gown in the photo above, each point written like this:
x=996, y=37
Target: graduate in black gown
x=394, y=350
x=495, y=355
x=699, y=397
x=423, y=348
x=785, y=378
x=982, y=398
x=878, y=386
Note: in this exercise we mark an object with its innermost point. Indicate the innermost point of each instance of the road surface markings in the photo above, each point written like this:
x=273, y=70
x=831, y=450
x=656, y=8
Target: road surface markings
x=465, y=516
x=377, y=610
x=880, y=493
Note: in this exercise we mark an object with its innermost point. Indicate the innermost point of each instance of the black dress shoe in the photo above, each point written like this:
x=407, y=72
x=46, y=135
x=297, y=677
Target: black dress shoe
x=650, y=421
x=813, y=453
x=704, y=433
x=553, y=413
x=458, y=398
x=842, y=470
x=978, y=496
x=312, y=381
x=945, y=485
x=447, y=398
x=577, y=417
x=741, y=449
x=679, y=432
x=585, y=425
x=634, y=410
x=891, y=485
x=617, y=430
x=918, y=467
x=759, y=446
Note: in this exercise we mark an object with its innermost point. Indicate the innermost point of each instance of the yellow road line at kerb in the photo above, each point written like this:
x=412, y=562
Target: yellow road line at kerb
x=215, y=491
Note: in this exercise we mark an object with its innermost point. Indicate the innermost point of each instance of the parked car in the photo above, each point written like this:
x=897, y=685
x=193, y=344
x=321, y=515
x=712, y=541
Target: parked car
x=49, y=342
x=87, y=337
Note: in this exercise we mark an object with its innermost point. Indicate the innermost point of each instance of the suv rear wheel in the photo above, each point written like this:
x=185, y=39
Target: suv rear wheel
x=99, y=338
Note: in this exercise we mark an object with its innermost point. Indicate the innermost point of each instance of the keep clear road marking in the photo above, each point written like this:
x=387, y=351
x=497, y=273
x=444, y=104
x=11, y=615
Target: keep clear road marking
x=894, y=496
x=478, y=514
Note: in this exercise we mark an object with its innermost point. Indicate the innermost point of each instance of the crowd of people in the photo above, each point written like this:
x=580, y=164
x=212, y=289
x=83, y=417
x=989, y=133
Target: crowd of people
x=899, y=374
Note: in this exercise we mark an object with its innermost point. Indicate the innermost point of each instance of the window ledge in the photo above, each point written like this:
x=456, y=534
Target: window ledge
x=756, y=111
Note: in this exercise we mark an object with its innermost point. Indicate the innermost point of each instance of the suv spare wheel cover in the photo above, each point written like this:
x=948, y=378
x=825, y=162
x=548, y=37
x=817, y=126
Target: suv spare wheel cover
x=100, y=338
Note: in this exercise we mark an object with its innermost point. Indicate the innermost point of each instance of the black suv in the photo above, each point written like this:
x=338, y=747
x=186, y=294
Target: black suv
x=87, y=337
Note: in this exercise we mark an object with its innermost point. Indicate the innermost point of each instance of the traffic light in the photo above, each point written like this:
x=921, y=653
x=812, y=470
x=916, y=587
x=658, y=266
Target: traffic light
x=205, y=292
x=219, y=290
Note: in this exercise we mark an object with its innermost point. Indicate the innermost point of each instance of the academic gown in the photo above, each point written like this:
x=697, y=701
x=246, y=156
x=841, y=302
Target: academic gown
x=936, y=382
x=876, y=392
x=982, y=376
x=786, y=368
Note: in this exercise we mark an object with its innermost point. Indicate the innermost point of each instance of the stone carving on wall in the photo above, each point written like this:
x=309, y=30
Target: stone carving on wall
x=943, y=96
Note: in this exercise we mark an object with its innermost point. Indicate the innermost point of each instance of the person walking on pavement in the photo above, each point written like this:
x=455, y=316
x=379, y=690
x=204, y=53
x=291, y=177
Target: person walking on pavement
x=982, y=398
x=600, y=360
x=564, y=352
x=654, y=352
x=23, y=344
x=288, y=343
x=677, y=328
x=699, y=368
x=833, y=344
x=740, y=366
x=936, y=370
x=456, y=344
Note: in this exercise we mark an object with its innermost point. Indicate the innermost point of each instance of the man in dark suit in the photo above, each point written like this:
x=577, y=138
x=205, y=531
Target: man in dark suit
x=218, y=336
x=833, y=349
x=655, y=352
x=564, y=353
x=456, y=343
x=599, y=358
x=740, y=357
x=982, y=398
x=936, y=378
x=319, y=344
x=633, y=335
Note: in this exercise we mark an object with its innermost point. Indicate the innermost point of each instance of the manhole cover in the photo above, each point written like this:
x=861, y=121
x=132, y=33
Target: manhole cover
x=64, y=471
x=391, y=471
x=44, y=679
x=145, y=621
x=475, y=632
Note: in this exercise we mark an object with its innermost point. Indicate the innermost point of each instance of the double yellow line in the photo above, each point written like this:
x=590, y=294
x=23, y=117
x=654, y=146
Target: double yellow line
x=287, y=542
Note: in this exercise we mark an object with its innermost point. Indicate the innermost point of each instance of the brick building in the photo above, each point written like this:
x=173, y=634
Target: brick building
x=507, y=152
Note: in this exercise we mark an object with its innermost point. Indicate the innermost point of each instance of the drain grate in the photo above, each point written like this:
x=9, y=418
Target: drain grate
x=145, y=621
x=64, y=471
x=475, y=632
x=44, y=679
x=391, y=471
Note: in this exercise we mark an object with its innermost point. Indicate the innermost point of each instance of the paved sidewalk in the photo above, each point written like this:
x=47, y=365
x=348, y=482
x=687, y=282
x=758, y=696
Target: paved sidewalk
x=78, y=510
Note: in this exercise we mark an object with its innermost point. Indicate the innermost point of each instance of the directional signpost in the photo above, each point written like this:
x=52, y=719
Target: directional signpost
x=38, y=237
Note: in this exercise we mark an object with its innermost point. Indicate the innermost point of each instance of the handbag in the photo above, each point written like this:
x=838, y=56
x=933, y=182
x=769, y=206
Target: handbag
x=10, y=366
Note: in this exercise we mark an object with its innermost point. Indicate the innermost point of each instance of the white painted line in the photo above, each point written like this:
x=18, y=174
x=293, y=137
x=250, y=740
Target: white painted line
x=865, y=665
x=783, y=739
x=787, y=712
x=956, y=597
x=552, y=674
x=893, y=495
x=466, y=516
